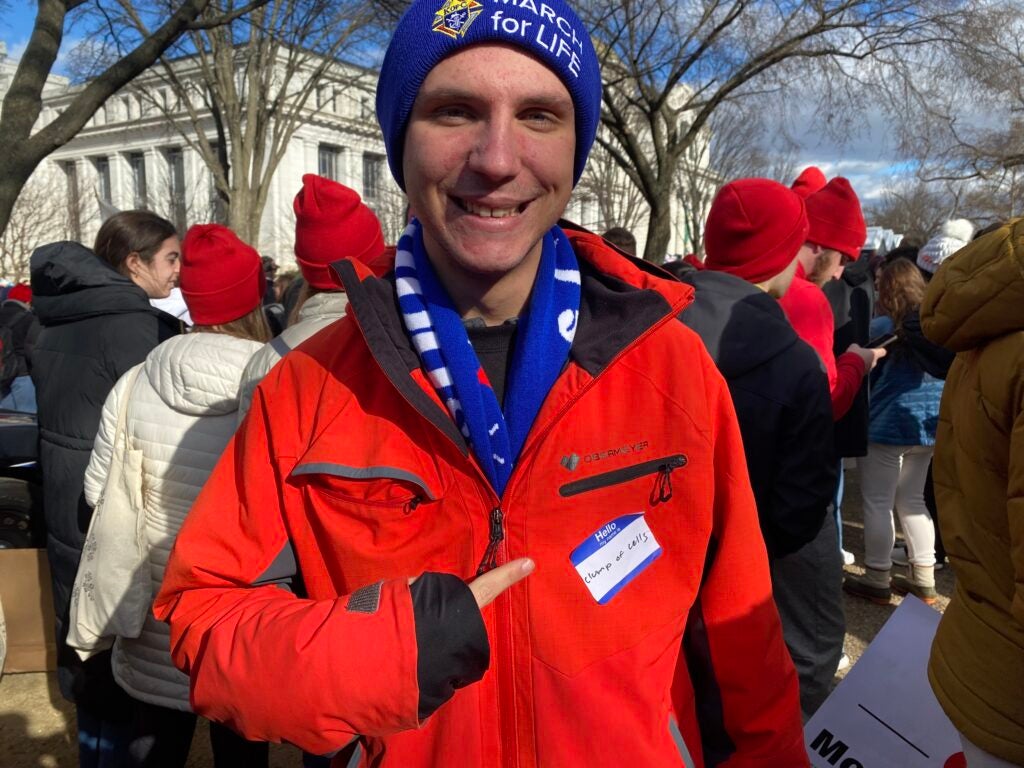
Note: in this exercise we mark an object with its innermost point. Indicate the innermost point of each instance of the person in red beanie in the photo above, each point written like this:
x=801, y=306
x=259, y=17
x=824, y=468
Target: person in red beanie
x=178, y=410
x=754, y=230
x=331, y=223
x=836, y=234
x=810, y=180
x=20, y=329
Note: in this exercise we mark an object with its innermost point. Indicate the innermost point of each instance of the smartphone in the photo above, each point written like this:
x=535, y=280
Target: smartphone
x=881, y=341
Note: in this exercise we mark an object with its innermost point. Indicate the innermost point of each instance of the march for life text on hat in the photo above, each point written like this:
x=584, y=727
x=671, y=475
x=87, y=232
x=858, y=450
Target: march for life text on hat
x=332, y=223
x=810, y=180
x=754, y=229
x=432, y=30
x=836, y=219
x=221, y=277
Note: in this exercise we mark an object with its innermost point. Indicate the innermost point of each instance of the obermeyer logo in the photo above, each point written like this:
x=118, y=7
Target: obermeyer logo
x=622, y=450
x=455, y=16
x=571, y=461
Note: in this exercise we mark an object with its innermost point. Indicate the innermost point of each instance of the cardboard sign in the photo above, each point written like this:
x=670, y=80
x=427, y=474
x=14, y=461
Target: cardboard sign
x=28, y=607
x=884, y=714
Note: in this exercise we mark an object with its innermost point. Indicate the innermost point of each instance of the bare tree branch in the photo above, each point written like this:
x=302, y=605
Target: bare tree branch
x=670, y=66
x=22, y=105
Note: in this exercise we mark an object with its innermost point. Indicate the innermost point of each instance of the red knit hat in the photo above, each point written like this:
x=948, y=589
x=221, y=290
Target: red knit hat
x=836, y=219
x=332, y=223
x=221, y=277
x=21, y=292
x=754, y=229
x=810, y=180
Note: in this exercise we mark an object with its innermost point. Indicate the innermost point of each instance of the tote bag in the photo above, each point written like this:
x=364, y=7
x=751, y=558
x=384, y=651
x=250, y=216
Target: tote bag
x=112, y=591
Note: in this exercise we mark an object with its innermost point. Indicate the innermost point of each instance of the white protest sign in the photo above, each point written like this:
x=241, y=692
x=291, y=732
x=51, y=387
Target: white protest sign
x=884, y=714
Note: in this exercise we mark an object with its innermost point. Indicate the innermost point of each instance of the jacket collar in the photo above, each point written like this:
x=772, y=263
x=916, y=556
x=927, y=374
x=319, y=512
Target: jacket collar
x=621, y=299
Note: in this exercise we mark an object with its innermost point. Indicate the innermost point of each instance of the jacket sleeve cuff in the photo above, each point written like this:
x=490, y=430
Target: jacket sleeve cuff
x=451, y=641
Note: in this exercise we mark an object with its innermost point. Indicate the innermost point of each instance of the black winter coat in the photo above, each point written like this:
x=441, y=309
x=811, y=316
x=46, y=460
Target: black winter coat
x=782, y=401
x=24, y=330
x=853, y=305
x=96, y=324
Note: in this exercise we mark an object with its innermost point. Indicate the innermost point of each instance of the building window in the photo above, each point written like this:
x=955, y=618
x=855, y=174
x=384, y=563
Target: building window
x=176, y=187
x=325, y=98
x=73, y=200
x=329, y=162
x=103, y=185
x=140, y=198
x=373, y=176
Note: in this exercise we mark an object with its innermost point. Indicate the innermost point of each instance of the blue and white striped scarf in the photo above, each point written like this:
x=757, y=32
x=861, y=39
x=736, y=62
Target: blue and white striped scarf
x=543, y=339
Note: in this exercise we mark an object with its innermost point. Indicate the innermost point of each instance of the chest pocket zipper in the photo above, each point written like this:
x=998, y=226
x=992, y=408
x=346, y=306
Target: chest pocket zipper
x=370, y=474
x=662, y=467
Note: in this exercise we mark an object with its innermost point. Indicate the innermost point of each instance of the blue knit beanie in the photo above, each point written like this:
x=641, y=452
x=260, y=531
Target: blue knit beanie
x=432, y=30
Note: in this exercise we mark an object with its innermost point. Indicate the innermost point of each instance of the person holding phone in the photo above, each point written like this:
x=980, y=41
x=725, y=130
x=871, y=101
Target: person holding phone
x=905, y=393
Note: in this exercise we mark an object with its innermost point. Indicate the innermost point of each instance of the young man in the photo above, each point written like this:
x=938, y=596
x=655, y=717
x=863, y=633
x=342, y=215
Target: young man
x=509, y=406
x=836, y=235
x=778, y=385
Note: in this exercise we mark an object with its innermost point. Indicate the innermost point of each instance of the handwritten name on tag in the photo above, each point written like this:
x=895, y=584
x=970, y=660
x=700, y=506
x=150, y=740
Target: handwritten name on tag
x=613, y=556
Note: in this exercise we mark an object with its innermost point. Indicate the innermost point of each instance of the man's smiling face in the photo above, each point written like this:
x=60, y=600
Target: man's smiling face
x=488, y=160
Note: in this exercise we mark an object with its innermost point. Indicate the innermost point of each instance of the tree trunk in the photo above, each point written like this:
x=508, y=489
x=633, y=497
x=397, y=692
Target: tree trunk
x=659, y=232
x=245, y=213
x=12, y=178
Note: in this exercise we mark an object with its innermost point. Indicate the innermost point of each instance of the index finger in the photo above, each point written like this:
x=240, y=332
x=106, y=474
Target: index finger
x=487, y=587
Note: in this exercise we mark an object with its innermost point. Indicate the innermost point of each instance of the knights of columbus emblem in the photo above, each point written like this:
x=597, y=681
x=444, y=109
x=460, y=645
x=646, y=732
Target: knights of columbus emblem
x=455, y=16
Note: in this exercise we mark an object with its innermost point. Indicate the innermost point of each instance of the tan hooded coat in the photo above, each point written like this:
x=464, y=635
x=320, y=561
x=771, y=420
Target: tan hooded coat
x=975, y=307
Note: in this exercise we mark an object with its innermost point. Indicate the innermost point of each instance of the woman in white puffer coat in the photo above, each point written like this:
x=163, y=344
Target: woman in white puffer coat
x=181, y=413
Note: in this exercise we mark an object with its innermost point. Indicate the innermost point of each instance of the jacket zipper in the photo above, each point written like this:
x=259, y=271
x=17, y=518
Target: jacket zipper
x=490, y=558
x=663, y=467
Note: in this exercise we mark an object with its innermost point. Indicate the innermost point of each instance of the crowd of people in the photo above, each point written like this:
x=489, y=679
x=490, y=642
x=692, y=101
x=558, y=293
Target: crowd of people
x=501, y=490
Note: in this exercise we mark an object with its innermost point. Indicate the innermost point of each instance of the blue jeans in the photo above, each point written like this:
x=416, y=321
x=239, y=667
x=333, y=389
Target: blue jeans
x=22, y=396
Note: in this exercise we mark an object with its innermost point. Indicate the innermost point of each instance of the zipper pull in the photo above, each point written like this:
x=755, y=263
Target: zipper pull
x=490, y=558
x=663, y=485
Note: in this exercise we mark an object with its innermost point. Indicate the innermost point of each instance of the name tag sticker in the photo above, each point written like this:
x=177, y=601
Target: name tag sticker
x=613, y=556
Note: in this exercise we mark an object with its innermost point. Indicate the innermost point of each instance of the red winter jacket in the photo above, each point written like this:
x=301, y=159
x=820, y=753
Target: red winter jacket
x=810, y=314
x=349, y=477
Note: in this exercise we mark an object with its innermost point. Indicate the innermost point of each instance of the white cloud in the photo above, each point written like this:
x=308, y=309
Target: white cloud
x=860, y=146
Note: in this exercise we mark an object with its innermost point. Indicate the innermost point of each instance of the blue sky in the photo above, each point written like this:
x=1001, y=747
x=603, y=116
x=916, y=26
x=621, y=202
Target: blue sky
x=16, y=28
